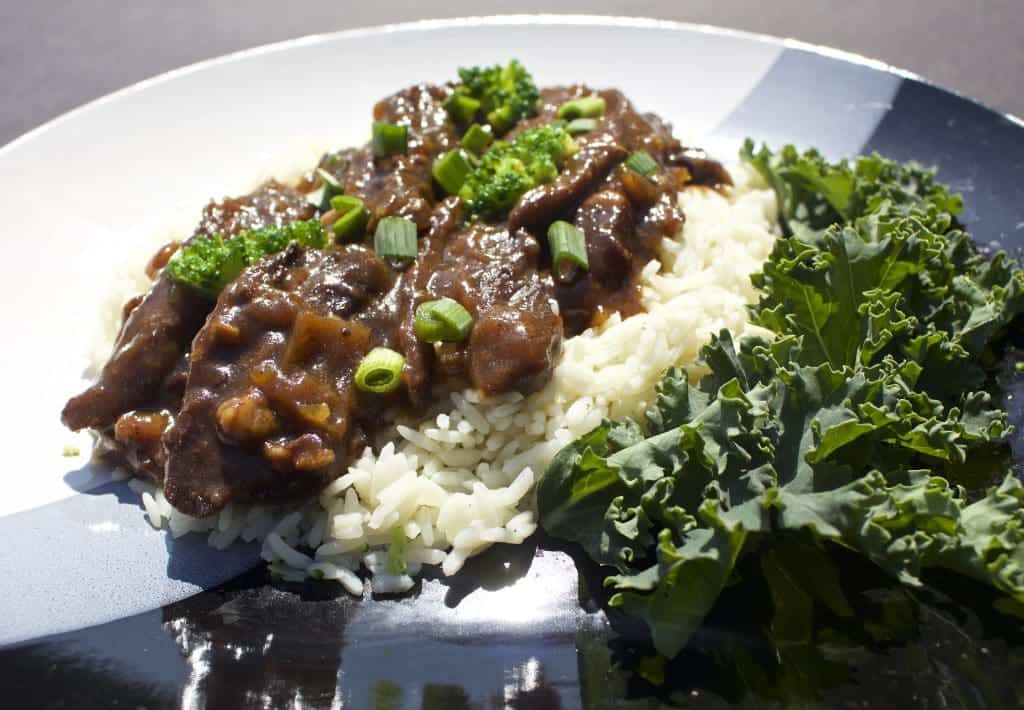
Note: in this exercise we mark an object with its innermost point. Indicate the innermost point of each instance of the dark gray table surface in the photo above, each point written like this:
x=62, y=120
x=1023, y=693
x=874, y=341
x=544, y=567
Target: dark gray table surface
x=55, y=55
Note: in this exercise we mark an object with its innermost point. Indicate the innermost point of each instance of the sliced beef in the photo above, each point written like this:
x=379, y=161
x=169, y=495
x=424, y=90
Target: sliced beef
x=581, y=174
x=517, y=332
x=514, y=346
x=606, y=220
x=412, y=290
x=699, y=168
x=270, y=410
x=623, y=215
x=270, y=205
x=145, y=370
x=152, y=340
x=402, y=185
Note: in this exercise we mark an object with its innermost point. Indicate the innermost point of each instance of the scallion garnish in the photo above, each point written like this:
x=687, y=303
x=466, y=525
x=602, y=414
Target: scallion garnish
x=450, y=171
x=581, y=125
x=461, y=108
x=568, y=246
x=585, y=107
x=380, y=371
x=642, y=162
x=502, y=118
x=398, y=562
x=352, y=217
x=389, y=138
x=329, y=186
x=330, y=182
x=395, y=238
x=477, y=138
x=442, y=321
x=344, y=204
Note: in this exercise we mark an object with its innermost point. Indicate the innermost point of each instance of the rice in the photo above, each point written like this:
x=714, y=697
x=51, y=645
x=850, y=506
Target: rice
x=445, y=488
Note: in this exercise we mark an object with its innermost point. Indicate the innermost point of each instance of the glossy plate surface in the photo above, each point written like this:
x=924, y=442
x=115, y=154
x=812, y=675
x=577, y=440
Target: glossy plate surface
x=98, y=607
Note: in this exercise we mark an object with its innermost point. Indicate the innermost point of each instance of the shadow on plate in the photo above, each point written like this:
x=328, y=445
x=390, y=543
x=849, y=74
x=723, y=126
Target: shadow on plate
x=942, y=646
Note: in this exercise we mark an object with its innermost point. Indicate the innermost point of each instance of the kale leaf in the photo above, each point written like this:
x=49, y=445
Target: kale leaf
x=853, y=425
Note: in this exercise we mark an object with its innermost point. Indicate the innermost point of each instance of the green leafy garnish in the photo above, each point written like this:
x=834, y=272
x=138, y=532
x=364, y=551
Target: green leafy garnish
x=508, y=170
x=397, y=552
x=863, y=423
x=815, y=194
x=502, y=95
x=210, y=262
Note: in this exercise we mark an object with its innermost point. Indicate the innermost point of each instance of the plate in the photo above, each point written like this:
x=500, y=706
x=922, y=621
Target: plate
x=97, y=606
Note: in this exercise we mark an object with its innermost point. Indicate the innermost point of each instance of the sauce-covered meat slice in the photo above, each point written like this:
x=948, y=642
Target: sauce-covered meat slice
x=150, y=354
x=622, y=214
x=411, y=290
x=402, y=185
x=270, y=205
x=517, y=332
x=151, y=343
x=270, y=409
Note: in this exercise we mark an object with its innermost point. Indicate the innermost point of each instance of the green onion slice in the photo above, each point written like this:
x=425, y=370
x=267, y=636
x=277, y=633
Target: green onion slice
x=442, y=321
x=586, y=107
x=352, y=217
x=395, y=238
x=380, y=371
x=568, y=247
x=642, y=162
x=461, y=108
x=398, y=552
x=501, y=118
x=344, y=204
x=581, y=125
x=451, y=169
x=330, y=182
x=389, y=138
x=329, y=187
x=477, y=138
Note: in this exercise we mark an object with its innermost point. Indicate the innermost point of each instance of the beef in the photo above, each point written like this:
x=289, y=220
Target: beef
x=517, y=332
x=623, y=215
x=150, y=354
x=412, y=290
x=270, y=205
x=270, y=410
x=152, y=341
x=583, y=171
x=700, y=170
x=402, y=185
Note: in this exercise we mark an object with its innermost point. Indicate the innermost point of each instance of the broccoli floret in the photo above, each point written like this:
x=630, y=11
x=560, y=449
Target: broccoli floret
x=508, y=170
x=502, y=94
x=260, y=242
x=210, y=262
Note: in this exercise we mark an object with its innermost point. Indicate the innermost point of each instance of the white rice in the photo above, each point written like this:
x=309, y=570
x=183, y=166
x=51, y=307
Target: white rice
x=446, y=488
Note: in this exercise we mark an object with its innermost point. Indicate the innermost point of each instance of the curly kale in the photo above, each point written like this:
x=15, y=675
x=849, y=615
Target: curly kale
x=864, y=422
x=815, y=194
x=501, y=94
x=508, y=170
x=210, y=262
